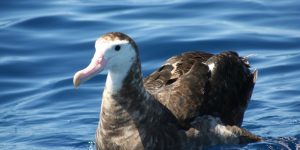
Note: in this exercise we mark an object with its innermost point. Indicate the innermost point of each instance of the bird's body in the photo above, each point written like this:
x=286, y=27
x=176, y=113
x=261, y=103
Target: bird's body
x=194, y=100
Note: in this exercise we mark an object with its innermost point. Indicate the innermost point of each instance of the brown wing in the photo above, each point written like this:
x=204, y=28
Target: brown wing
x=186, y=86
x=230, y=88
x=179, y=84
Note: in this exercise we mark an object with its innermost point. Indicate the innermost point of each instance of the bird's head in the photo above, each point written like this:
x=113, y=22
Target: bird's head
x=114, y=51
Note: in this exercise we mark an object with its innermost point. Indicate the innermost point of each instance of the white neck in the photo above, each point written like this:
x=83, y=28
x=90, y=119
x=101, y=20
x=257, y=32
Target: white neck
x=115, y=78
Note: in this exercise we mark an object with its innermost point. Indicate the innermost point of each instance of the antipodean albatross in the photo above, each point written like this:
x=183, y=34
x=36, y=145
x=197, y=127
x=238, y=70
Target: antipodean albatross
x=194, y=100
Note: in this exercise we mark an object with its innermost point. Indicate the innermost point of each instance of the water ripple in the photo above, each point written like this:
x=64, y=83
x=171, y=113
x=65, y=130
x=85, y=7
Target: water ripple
x=43, y=44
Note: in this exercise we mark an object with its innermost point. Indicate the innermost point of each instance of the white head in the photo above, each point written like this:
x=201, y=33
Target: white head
x=115, y=51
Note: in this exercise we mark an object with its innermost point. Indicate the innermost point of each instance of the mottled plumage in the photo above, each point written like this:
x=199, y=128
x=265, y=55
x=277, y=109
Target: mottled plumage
x=186, y=86
x=194, y=100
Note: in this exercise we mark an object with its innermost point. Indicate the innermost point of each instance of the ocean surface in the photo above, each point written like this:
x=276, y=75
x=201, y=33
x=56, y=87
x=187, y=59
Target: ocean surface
x=43, y=43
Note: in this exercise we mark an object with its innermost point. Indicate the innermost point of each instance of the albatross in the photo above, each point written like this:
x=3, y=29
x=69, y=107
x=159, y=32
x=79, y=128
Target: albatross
x=194, y=100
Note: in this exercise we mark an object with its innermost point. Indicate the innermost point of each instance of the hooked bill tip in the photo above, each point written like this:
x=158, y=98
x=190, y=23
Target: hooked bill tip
x=76, y=80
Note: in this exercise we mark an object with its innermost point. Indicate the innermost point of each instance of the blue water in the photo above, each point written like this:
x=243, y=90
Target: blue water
x=43, y=43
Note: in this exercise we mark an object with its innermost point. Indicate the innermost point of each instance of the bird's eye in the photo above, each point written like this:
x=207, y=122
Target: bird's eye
x=118, y=47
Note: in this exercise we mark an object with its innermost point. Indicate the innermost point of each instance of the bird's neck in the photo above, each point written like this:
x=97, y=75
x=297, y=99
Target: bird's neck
x=121, y=104
x=128, y=111
x=120, y=77
x=123, y=88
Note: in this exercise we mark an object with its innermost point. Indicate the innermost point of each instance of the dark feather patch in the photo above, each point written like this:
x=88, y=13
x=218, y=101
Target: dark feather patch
x=186, y=86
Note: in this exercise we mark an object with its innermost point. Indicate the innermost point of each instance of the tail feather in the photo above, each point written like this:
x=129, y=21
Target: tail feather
x=209, y=131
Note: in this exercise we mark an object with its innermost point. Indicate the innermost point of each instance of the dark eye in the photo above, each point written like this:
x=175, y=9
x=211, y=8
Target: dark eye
x=118, y=47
